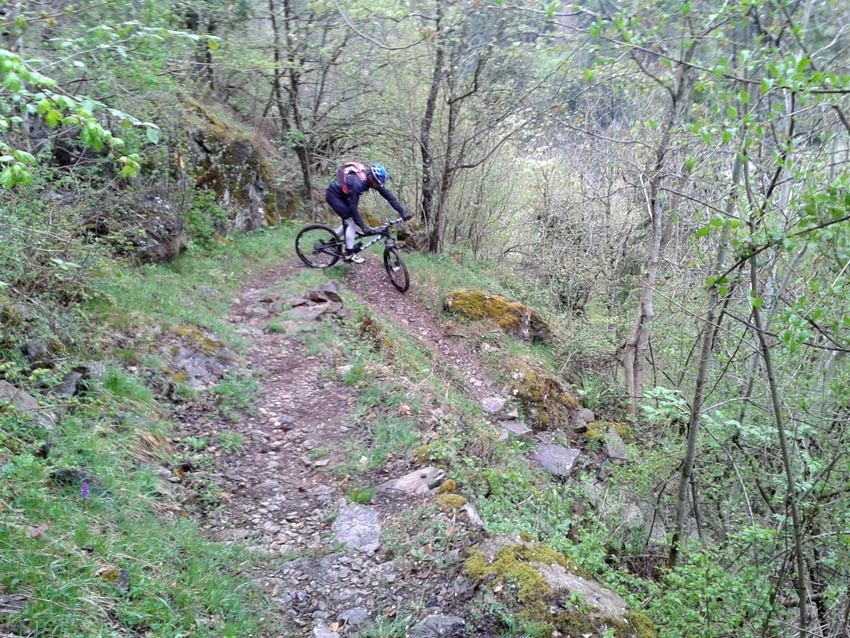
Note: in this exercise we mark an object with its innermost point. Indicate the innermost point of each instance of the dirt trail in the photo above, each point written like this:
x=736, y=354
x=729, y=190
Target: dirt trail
x=285, y=488
x=371, y=283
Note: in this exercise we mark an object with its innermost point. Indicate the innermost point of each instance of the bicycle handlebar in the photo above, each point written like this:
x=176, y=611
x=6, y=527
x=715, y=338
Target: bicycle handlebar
x=380, y=230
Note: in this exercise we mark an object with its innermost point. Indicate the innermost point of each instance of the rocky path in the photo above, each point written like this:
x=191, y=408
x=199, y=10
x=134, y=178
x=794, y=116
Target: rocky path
x=340, y=566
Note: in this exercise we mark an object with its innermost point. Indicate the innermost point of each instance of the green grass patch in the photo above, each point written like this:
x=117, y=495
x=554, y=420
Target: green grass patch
x=195, y=289
x=91, y=551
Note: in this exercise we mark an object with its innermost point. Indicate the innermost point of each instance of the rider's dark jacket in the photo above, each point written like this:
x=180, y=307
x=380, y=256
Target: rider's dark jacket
x=346, y=205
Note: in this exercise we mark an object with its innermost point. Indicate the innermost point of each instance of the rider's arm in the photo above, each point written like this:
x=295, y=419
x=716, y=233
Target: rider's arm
x=387, y=195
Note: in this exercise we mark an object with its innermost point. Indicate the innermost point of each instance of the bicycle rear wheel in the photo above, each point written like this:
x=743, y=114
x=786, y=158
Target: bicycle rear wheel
x=396, y=269
x=318, y=246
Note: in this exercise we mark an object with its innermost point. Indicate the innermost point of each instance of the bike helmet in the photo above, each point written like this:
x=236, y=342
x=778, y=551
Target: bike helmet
x=379, y=173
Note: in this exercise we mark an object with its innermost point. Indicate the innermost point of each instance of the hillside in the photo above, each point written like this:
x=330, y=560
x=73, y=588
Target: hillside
x=283, y=440
x=613, y=401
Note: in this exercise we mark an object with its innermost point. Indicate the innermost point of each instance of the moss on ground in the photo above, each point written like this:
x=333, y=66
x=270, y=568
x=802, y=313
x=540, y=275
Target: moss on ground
x=451, y=501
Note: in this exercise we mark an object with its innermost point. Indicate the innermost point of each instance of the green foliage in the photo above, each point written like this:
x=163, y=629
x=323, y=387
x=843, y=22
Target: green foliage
x=64, y=545
x=361, y=495
x=205, y=219
x=236, y=393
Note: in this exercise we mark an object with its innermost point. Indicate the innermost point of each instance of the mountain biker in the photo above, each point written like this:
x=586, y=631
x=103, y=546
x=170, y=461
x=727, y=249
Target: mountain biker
x=343, y=194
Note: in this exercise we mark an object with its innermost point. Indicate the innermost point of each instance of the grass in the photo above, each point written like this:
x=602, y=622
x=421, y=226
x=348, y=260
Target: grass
x=196, y=289
x=236, y=393
x=63, y=544
x=60, y=542
x=361, y=495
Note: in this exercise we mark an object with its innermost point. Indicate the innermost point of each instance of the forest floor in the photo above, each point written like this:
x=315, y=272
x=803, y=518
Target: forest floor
x=377, y=567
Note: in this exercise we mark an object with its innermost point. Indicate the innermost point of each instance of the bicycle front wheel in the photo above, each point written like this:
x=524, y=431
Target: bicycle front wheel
x=396, y=269
x=318, y=246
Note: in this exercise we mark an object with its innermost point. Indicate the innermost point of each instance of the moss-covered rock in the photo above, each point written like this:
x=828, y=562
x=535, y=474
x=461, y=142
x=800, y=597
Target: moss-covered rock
x=543, y=587
x=512, y=317
x=235, y=165
x=546, y=399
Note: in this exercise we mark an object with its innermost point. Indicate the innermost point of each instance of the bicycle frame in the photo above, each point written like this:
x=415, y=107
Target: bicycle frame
x=384, y=233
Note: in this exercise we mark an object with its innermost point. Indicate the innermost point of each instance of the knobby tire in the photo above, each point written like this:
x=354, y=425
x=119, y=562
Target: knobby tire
x=318, y=246
x=396, y=269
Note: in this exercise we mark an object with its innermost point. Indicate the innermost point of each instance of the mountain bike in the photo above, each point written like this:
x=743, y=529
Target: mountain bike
x=318, y=246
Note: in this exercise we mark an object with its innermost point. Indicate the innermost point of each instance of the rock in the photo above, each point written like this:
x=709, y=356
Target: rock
x=518, y=430
x=607, y=603
x=160, y=236
x=197, y=357
x=68, y=387
x=92, y=370
x=343, y=371
x=522, y=574
x=317, y=303
x=358, y=527
x=557, y=459
x=199, y=368
x=354, y=616
x=417, y=482
x=328, y=291
x=582, y=418
x=25, y=403
x=36, y=351
x=472, y=515
x=438, y=626
x=235, y=166
x=621, y=513
x=492, y=405
x=512, y=317
x=323, y=631
x=546, y=398
x=614, y=446
x=316, y=312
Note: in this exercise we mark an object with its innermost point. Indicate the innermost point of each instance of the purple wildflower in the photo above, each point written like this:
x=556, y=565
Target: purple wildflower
x=84, y=490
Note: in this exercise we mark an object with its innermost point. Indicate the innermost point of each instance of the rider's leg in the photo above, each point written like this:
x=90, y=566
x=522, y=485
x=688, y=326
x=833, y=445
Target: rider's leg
x=350, y=234
x=339, y=204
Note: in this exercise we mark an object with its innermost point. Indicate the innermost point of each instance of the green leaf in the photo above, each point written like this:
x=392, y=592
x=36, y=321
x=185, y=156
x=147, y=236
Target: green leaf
x=53, y=118
x=12, y=81
x=702, y=232
x=756, y=302
x=152, y=134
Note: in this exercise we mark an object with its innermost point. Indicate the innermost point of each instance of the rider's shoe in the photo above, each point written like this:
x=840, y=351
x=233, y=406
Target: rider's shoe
x=353, y=258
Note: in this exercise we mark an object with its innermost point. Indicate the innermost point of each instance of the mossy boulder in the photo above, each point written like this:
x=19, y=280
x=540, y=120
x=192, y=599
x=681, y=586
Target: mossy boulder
x=547, y=400
x=542, y=586
x=234, y=163
x=195, y=357
x=511, y=317
x=156, y=233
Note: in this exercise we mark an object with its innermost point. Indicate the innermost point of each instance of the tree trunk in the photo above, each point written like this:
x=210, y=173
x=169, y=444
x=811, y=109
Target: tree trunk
x=300, y=142
x=710, y=328
x=277, y=90
x=428, y=183
x=637, y=345
x=435, y=235
x=791, y=498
